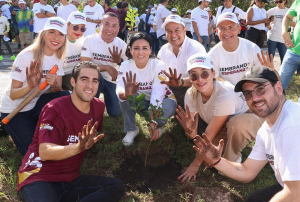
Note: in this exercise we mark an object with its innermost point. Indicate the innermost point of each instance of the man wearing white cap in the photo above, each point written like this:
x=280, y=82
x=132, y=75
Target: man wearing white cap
x=65, y=9
x=176, y=53
x=152, y=32
x=76, y=3
x=188, y=24
x=107, y=51
x=200, y=20
x=161, y=14
x=174, y=11
x=42, y=11
x=76, y=27
x=93, y=12
x=6, y=12
x=233, y=55
x=24, y=20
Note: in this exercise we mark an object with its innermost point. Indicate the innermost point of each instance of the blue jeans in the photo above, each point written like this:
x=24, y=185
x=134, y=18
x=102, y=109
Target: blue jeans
x=169, y=107
x=204, y=41
x=290, y=64
x=143, y=24
x=21, y=128
x=272, y=45
x=85, y=188
x=110, y=97
x=210, y=40
x=126, y=33
x=155, y=43
x=162, y=41
x=15, y=24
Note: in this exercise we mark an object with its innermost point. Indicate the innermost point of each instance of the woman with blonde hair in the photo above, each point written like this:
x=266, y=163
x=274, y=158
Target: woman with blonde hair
x=30, y=69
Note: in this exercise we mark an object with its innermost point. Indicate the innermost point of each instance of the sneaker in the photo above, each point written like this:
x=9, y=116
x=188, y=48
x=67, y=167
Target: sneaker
x=19, y=45
x=12, y=57
x=1, y=57
x=129, y=138
x=160, y=132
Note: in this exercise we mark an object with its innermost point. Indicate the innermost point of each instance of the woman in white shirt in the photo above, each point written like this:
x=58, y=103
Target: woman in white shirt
x=75, y=39
x=256, y=21
x=30, y=69
x=220, y=107
x=275, y=39
x=148, y=72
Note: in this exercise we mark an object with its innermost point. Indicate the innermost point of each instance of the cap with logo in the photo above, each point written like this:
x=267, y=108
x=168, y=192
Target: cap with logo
x=173, y=18
x=227, y=16
x=199, y=60
x=257, y=74
x=174, y=10
x=22, y=2
x=56, y=23
x=77, y=18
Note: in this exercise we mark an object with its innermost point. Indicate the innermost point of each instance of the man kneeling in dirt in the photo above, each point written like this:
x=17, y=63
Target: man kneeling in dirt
x=277, y=140
x=67, y=127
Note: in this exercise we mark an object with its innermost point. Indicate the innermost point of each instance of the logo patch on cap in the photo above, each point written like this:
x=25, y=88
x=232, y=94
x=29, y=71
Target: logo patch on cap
x=80, y=17
x=56, y=22
x=197, y=59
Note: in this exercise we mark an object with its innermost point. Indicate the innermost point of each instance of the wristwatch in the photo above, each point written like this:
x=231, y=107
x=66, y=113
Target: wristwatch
x=92, y=20
x=46, y=12
x=182, y=82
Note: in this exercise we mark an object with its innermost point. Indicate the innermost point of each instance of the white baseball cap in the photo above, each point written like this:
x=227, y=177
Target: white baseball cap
x=134, y=8
x=227, y=16
x=189, y=11
x=3, y=0
x=153, y=11
x=174, y=10
x=205, y=0
x=22, y=2
x=56, y=23
x=55, y=6
x=77, y=18
x=199, y=60
x=173, y=18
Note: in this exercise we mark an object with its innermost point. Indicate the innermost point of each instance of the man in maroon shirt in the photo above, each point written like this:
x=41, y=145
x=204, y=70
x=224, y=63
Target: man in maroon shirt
x=67, y=127
x=122, y=14
x=106, y=6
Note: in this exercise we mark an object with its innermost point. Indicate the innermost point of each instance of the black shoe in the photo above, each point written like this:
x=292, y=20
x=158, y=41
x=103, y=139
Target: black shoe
x=19, y=45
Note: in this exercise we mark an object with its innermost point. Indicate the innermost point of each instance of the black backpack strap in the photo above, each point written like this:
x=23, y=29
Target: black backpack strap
x=222, y=9
x=233, y=9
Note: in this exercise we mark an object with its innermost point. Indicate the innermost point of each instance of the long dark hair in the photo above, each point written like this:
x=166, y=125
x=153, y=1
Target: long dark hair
x=137, y=36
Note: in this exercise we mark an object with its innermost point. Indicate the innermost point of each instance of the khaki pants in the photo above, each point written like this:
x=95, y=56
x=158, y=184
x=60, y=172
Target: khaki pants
x=238, y=132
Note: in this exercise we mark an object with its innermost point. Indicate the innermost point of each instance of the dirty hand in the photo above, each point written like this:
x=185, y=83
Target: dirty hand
x=173, y=79
x=189, y=125
x=33, y=75
x=131, y=87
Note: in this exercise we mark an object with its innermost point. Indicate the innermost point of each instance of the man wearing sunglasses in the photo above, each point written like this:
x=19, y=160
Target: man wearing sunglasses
x=75, y=39
x=277, y=141
x=107, y=51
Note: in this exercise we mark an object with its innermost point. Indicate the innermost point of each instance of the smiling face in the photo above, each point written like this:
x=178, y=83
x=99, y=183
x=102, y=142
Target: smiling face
x=140, y=51
x=72, y=34
x=110, y=28
x=54, y=39
x=228, y=32
x=204, y=86
x=175, y=34
x=91, y=3
x=86, y=86
x=22, y=6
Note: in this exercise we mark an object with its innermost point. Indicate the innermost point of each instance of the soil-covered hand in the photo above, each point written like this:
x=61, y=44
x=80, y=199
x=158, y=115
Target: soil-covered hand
x=87, y=138
x=209, y=152
x=190, y=173
x=115, y=55
x=266, y=60
x=189, y=125
x=33, y=75
x=131, y=87
x=154, y=132
x=173, y=79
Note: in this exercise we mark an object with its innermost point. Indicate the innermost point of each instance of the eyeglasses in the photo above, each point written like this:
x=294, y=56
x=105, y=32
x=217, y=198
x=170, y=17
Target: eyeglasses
x=278, y=2
x=194, y=76
x=259, y=91
x=76, y=28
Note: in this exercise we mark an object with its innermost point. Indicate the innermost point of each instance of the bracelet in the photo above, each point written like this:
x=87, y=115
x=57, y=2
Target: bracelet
x=212, y=165
x=152, y=121
x=182, y=82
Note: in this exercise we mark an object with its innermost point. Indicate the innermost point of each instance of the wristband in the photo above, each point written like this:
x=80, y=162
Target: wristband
x=46, y=12
x=212, y=165
x=152, y=121
x=182, y=82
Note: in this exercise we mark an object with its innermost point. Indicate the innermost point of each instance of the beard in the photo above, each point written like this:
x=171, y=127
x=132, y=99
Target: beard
x=82, y=97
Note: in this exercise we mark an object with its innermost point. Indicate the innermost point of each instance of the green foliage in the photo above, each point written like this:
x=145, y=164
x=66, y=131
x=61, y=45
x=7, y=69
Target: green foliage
x=130, y=17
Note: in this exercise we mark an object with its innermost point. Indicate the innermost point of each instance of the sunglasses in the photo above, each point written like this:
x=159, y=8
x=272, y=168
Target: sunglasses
x=278, y=2
x=188, y=13
x=76, y=28
x=194, y=76
x=259, y=90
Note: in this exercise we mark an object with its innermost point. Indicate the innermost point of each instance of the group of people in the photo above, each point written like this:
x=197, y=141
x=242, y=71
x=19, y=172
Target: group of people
x=231, y=93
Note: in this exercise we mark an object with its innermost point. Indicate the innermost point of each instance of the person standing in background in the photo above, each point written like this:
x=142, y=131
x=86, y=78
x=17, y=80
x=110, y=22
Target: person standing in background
x=65, y=9
x=188, y=24
x=122, y=15
x=147, y=27
x=161, y=15
x=212, y=28
x=4, y=29
x=106, y=6
x=152, y=32
x=76, y=3
x=142, y=19
x=93, y=13
x=243, y=25
x=6, y=13
x=14, y=8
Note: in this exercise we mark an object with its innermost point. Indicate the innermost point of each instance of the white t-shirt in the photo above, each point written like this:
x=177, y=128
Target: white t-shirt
x=161, y=13
x=137, y=23
x=258, y=14
x=274, y=33
x=150, y=21
x=3, y=23
x=242, y=14
x=280, y=144
x=188, y=24
x=5, y=11
x=150, y=78
x=73, y=54
x=19, y=73
x=143, y=17
x=95, y=13
x=39, y=23
x=223, y=102
x=188, y=48
x=65, y=11
x=201, y=17
x=95, y=48
x=231, y=65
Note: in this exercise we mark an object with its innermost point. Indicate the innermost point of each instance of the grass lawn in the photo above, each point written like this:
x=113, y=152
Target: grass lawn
x=167, y=157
